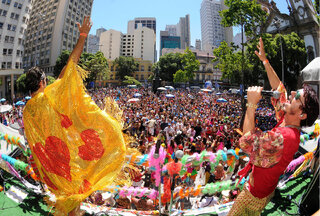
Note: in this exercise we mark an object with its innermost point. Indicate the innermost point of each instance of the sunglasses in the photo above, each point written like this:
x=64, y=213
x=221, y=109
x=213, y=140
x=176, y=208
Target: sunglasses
x=298, y=97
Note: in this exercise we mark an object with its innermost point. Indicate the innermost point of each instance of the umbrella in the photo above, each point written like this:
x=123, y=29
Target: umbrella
x=2, y=100
x=161, y=89
x=137, y=95
x=132, y=86
x=219, y=93
x=206, y=90
x=169, y=87
x=5, y=108
x=20, y=103
x=133, y=100
x=169, y=95
x=27, y=98
x=222, y=100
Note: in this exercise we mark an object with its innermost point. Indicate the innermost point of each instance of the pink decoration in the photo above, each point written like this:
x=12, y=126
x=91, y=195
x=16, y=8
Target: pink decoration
x=122, y=193
x=212, y=157
x=197, y=156
x=143, y=192
x=153, y=162
x=153, y=194
x=293, y=164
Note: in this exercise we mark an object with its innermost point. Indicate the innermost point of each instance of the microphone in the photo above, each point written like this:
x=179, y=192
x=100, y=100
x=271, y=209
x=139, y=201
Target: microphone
x=266, y=93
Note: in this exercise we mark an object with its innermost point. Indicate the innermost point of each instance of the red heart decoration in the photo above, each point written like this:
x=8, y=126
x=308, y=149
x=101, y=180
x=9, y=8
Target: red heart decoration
x=93, y=148
x=65, y=122
x=54, y=157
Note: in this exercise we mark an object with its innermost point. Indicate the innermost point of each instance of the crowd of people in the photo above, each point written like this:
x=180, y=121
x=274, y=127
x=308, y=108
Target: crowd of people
x=191, y=121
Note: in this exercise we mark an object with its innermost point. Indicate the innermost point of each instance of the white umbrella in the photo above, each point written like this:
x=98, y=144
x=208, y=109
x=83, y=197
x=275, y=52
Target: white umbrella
x=206, y=90
x=133, y=100
x=161, y=89
x=169, y=87
x=169, y=95
x=137, y=95
x=5, y=108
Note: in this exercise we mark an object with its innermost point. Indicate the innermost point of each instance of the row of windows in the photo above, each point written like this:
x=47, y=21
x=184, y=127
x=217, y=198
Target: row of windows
x=10, y=27
x=8, y=65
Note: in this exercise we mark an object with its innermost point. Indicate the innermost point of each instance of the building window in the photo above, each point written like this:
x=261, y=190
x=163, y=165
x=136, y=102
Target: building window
x=4, y=51
x=142, y=67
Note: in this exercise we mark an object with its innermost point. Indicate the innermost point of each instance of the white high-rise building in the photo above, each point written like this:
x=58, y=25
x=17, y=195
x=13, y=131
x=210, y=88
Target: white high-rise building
x=172, y=30
x=212, y=31
x=182, y=29
x=14, y=17
x=198, y=44
x=111, y=44
x=94, y=41
x=149, y=22
x=52, y=29
x=140, y=44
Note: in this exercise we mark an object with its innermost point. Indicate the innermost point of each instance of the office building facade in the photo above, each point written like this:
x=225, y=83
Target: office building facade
x=212, y=31
x=52, y=28
x=167, y=41
x=14, y=18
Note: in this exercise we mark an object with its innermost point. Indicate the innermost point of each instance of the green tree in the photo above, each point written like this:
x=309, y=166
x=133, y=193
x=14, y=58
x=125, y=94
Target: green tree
x=97, y=65
x=168, y=65
x=229, y=63
x=125, y=66
x=190, y=64
x=180, y=77
x=61, y=62
x=21, y=83
x=131, y=81
x=246, y=13
x=295, y=56
x=51, y=80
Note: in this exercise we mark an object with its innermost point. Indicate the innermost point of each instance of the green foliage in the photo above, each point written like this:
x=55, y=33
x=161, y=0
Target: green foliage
x=180, y=77
x=61, y=62
x=229, y=63
x=97, y=65
x=190, y=64
x=243, y=12
x=21, y=83
x=125, y=66
x=168, y=65
x=131, y=81
x=294, y=54
x=50, y=80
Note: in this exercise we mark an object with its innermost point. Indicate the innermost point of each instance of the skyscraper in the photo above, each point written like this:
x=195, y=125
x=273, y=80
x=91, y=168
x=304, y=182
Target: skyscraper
x=183, y=30
x=198, y=44
x=212, y=31
x=149, y=22
x=52, y=29
x=139, y=44
x=94, y=41
x=172, y=30
x=167, y=41
x=13, y=24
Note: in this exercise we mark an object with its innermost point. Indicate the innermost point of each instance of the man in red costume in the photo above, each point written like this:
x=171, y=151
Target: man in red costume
x=271, y=151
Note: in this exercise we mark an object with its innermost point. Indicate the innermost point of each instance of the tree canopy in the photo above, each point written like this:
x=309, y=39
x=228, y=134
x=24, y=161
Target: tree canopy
x=168, y=65
x=243, y=12
x=97, y=65
x=125, y=66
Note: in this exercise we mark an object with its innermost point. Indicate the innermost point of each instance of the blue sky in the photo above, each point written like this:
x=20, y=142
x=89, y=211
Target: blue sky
x=115, y=14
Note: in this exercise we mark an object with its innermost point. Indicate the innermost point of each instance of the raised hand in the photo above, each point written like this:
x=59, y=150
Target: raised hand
x=86, y=25
x=261, y=54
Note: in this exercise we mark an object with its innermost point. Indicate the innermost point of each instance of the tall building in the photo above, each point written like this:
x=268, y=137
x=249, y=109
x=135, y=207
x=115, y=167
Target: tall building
x=94, y=41
x=14, y=17
x=198, y=44
x=183, y=30
x=111, y=44
x=139, y=44
x=212, y=31
x=52, y=29
x=167, y=41
x=172, y=30
x=149, y=22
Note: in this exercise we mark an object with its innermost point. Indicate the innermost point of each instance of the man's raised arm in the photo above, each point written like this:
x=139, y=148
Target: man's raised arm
x=76, y=52
x=272, y=75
